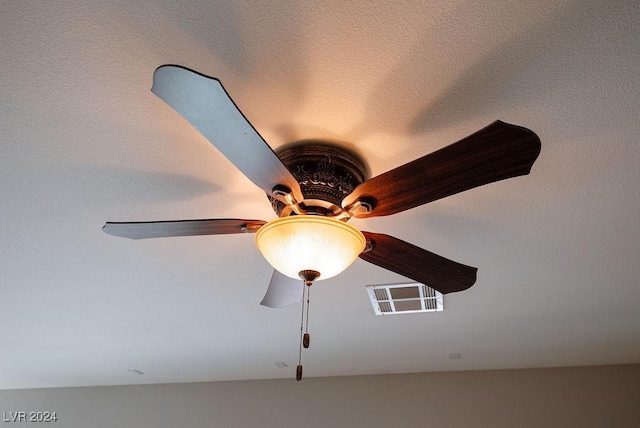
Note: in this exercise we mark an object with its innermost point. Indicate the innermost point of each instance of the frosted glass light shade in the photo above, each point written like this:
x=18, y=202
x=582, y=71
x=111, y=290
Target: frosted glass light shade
x=303, y=242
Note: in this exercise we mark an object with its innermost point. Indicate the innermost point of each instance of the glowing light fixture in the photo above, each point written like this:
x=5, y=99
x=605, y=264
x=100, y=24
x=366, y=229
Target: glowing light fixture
x=309, y=243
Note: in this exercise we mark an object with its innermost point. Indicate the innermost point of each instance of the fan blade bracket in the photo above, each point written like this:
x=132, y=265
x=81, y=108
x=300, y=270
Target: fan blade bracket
x=251, y=227
x=361, y=207
x=286, y=196
x=369, y=244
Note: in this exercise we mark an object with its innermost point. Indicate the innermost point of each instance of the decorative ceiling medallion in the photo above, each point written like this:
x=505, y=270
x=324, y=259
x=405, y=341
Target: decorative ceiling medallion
x=326, y=174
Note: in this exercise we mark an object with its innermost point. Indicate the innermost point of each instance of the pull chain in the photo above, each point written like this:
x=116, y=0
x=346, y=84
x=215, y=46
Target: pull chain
x=306, y=338
x=308, y=276
x=304, y=300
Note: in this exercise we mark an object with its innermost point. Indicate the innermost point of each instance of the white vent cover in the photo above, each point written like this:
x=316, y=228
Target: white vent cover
x=404, y=299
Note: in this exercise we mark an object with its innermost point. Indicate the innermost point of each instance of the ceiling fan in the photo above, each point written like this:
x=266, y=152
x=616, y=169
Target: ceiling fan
x=316, y=188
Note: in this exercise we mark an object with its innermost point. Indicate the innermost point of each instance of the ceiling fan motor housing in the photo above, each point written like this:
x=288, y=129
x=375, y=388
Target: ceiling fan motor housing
x=326, y=173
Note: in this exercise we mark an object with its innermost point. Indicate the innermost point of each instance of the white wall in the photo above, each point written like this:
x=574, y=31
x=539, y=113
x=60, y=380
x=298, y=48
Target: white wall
x=607, y=396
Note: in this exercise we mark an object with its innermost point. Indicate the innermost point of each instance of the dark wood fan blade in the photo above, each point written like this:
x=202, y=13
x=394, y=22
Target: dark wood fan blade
x=418, y=264
x=494, y=153
x=205, y=104
x=283, y=291
x=163, y=229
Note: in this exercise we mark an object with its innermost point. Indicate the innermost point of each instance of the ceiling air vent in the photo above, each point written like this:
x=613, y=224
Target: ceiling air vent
x=404, y=299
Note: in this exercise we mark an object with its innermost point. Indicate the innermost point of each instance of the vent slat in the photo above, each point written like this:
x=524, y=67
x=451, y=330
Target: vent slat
x=428, y=291
x=385, y=307
x=381, y=294
x=430, y=304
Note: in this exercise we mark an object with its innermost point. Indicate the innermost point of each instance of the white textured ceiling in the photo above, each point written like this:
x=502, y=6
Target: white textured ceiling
x=83, y=140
